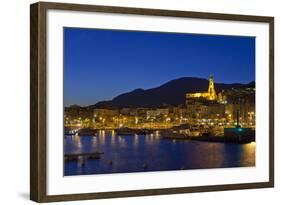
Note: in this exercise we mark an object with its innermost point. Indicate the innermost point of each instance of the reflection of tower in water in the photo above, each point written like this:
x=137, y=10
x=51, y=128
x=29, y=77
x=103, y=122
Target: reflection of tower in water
x=136, y=140
x=113, y=134
x=77, y=140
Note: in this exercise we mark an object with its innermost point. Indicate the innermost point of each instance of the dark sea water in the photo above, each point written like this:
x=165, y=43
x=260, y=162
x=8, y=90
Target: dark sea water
x=138, y=153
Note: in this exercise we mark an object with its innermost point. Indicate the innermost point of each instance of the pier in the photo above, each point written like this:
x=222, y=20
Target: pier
x=76, y=156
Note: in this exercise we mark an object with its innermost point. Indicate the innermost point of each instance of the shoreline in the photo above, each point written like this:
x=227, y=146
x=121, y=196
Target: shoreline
x=219, y=139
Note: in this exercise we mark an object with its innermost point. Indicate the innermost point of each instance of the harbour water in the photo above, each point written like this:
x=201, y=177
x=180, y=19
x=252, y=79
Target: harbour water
x=139, y=153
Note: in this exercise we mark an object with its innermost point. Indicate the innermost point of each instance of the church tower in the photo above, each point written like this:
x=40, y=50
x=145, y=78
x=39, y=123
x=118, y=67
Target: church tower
x=211, y=89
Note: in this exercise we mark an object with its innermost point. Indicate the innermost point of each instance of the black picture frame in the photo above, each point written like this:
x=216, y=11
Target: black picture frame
x=38, y=103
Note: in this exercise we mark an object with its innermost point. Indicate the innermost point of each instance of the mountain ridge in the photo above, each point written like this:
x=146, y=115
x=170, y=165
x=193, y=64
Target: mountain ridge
x=171, y=93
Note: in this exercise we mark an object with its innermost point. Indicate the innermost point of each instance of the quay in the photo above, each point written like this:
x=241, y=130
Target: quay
x=76, y=156
x=208, y=138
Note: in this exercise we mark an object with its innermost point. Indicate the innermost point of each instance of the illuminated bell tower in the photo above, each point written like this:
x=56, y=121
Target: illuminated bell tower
x=211, y=89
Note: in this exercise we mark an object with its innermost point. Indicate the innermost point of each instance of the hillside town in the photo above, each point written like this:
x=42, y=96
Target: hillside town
x=206, y=112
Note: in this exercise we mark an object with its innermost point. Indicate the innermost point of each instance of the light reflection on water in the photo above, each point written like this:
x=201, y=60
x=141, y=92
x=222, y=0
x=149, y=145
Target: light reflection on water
x=131, y=153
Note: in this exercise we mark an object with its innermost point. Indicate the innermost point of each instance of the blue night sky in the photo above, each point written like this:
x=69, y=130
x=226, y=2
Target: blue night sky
x=101, y=64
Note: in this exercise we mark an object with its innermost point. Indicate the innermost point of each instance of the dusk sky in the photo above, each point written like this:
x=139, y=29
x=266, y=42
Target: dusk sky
x=101, y=64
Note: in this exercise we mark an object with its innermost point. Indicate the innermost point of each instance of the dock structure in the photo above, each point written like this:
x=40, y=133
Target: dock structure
x=76, y=156
x=238, y=133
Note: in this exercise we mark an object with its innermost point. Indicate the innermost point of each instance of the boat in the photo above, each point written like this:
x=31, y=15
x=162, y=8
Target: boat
x=87, y=132
x=130, y=131
x=170, y=134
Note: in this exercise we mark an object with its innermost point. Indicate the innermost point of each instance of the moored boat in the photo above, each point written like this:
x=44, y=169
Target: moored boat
x=130, y=131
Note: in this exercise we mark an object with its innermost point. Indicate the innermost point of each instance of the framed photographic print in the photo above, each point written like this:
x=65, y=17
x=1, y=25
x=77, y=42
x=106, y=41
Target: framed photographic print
x=134, y=102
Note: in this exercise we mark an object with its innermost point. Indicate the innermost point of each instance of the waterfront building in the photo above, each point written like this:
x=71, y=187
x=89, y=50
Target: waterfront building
x=243, y=101
x=200, y=110
x=153, y=113
x=76, y=112
x=85, y=114
x=128, y=111
x=125, y=111
x=180, y=111
x=101, y=112
x=141, y=112
x=162, y=111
